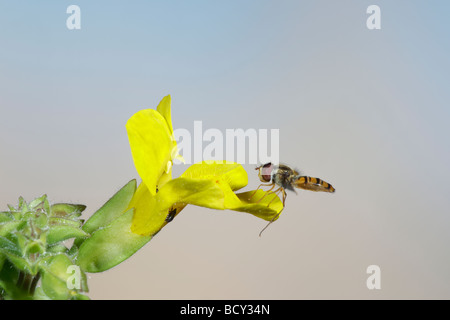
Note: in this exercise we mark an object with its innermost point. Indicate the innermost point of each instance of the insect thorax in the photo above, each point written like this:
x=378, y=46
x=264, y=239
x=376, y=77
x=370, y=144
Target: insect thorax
x=283, y=176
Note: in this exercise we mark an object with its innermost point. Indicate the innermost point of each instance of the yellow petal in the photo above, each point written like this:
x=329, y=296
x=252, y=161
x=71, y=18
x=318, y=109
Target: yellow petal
x=207, y=184
x=229, y=177
x=164, y=108
x=199, y=192
x=232, y=174
x=151, y=211
x=147, y=220
x=151, y=146
x=266, y=208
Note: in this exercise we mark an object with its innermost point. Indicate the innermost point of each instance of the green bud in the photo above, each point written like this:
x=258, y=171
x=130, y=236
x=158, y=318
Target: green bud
x=60, y=233
x=34, y=247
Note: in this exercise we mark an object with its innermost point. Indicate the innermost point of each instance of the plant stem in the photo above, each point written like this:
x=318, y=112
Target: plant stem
x=20, y=279
x=27, y=282
x=33, y=284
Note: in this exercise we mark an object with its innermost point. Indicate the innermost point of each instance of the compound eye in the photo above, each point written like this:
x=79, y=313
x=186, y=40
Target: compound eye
x=266, y=172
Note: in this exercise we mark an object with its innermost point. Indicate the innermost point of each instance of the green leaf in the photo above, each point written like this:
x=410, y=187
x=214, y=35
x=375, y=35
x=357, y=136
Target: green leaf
x=8, y=280
x=19, y=262
x=56, y=276
x=111, y=245
x=7, y=246
x=14, y=254
x=39, y=294
x=17, y=214
x=60, y=233
x=6, y=216
x=66, y=209
x=8, y=227
x=112, y=209
x=58, y=248
x=80, y=297
x=2, y=260
x=53, y=221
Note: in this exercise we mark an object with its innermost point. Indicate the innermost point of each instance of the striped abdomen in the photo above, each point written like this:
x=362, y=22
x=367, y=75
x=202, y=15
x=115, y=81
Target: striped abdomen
x=313, y=184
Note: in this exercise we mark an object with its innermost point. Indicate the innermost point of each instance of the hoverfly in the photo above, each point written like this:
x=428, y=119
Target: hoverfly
x=285, y=178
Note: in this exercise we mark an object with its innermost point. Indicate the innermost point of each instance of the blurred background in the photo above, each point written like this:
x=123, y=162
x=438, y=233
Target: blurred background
x=366, y=110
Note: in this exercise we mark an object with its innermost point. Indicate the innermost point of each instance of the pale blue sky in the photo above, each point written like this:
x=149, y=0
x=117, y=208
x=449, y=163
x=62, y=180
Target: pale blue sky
x=365, y=110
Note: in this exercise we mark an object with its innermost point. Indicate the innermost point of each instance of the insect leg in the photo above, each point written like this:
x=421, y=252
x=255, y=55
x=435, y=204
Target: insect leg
x=276, y=195
x=270, y=192
x=269, y=223
x=284, y=197
x=261, y=185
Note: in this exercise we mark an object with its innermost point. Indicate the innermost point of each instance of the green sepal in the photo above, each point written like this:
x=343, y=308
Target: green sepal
x=110, y=245
x=41, y=221
x=20, y=240
x=15, y=212
x=38, y=203
x=112, y=209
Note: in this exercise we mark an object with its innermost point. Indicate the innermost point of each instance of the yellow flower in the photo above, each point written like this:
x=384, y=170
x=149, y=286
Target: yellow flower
x=211, y=184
